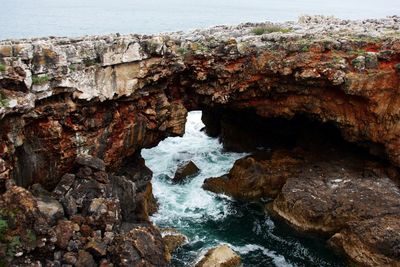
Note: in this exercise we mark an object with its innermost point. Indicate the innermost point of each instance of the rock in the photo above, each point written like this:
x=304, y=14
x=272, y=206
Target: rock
x=64, y=231
x=221, y=256
x=255, y=177
x=172, y=240
x=51, y=208
x=185, y=170
x=96, y=248
x=141, y=246
x=85, y=259
x=373, y=242
x=90, y=161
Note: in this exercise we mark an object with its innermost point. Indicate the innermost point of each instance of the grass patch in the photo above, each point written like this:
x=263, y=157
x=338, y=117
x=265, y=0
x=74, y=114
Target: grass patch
x=2, y=68
x=36, y=79
x=269, y=29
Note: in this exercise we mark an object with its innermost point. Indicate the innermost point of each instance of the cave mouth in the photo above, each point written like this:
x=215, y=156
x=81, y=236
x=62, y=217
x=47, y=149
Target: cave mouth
x=209, y=219
x=245, y=131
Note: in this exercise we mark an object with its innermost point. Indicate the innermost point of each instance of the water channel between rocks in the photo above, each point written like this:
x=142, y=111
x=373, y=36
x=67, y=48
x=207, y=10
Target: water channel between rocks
x=208, y=219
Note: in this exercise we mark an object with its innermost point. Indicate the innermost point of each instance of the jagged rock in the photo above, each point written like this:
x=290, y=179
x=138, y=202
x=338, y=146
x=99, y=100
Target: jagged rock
x=185, y=170
x=141, y=246
x=255, y=177
x=96, y=248
x=85, y=259
x=373, y=242
x=90, y=161
x=172, y=240
x=221, y=256
x=64, y=231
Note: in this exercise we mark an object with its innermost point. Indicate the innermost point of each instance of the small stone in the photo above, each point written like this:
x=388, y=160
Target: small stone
x=96, y=248
x=51, y=208
x=70, y=258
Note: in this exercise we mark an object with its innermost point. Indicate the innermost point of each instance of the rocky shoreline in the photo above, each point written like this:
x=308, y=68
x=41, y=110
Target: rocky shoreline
x=110, y=96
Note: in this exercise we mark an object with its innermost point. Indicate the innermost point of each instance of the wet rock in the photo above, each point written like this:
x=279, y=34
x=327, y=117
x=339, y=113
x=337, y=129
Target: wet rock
x=185, y=170
x=257, y=176
x=172, y=240
x=90, y=161
x=221, y=256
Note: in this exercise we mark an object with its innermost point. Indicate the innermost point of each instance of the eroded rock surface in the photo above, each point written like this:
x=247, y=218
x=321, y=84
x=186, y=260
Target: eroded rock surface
x=185, y=171
x=221, y=256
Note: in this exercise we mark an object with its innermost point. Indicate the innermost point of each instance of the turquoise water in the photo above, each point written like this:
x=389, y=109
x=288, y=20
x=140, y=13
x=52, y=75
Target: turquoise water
x=208, y=219
x=33, y=18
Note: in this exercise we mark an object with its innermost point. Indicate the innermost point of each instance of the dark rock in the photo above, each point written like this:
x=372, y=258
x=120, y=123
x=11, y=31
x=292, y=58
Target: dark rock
x=255, y=177
x=125, y=191
x=85, y=259
x=141, y=246
x=90, y=161
x=64, y=231
x=64, y=185
x=185, y=170
x=96, y=248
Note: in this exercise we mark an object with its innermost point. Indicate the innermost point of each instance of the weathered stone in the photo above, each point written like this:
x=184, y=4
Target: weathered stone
x=96, y=248
x=255, y=177
x=51, y=208
x=221, y=256
x=64, y=231
x=85, y=259
x=141, y=246
x=92, y=162
x=172, y=240
x=184, y=171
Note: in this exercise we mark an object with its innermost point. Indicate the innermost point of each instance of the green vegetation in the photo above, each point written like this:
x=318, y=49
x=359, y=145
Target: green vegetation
x=182, y=51
x=2, y=67
x=30, y=236
x=72, y=67
x=3, y=103
x=269, y=29
x=36, y=79
x=12, y=245
x=89, y=62
x=3, y=228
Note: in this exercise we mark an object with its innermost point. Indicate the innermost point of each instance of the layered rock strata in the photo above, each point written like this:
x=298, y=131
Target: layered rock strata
x=110, y=96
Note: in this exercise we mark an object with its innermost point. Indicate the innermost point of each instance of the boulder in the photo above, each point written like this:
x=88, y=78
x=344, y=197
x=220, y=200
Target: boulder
x=141, y=246
x=256, y=176
x=185, y=170
x=221, y=256
x=373, y=242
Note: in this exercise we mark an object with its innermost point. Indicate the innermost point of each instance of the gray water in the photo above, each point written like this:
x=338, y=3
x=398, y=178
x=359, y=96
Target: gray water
x=34, y=18
x=209, y=219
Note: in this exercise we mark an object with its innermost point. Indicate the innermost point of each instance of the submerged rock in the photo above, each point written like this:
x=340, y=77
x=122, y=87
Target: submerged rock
x=184, y=171
x=221, y=256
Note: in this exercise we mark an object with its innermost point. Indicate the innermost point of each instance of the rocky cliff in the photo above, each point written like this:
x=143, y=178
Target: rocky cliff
x=110, y=96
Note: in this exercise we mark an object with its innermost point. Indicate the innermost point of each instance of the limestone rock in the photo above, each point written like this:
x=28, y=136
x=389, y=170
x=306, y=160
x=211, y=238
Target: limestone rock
x=221, y=256
x=185, y=170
